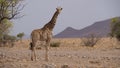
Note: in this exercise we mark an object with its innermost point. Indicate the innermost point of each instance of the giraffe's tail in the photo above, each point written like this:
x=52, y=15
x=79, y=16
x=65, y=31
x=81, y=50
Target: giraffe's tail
x=31, y=46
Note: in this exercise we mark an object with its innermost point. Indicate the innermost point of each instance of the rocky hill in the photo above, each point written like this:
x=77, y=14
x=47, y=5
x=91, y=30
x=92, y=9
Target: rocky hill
x=101, y=29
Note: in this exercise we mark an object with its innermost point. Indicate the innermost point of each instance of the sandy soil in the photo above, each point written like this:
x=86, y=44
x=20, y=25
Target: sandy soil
x=70, y=54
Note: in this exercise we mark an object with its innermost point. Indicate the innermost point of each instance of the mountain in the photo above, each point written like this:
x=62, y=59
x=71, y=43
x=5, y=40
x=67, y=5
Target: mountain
x=101, y=29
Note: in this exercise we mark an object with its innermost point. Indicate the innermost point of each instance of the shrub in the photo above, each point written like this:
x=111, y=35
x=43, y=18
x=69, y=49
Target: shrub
x=91, y=40
x=20, y=36
x=115, y=28
x=8, y=40
x=55, y=44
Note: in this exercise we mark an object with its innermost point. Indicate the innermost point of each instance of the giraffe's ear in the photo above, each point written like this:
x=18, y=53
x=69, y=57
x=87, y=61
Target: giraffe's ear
x=56, y=8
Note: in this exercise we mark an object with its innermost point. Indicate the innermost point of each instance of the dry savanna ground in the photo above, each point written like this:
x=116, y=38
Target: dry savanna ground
x=70, y=54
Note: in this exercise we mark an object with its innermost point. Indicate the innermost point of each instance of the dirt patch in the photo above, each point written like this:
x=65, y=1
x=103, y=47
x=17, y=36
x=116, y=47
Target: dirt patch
x=70, y=54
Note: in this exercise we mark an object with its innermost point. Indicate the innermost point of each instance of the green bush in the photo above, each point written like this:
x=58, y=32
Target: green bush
x=115, y=28
x=55, y=44
x=7, y=41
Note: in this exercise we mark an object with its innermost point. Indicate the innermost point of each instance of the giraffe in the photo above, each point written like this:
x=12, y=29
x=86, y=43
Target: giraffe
x=43, y=34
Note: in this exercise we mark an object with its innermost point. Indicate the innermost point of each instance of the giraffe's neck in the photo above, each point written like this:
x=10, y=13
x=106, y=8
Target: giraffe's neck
x=50, y=25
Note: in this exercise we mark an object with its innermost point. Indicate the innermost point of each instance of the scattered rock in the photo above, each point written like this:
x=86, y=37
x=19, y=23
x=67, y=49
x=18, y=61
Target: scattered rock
x=69, y=56
x=84, y=56
x=24, y=60
x=48, y=66
x=94, y=62
x=65, y=66
x=118, y=48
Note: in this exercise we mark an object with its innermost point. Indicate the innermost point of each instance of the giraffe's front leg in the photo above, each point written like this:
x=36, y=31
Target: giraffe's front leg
x=47, y=49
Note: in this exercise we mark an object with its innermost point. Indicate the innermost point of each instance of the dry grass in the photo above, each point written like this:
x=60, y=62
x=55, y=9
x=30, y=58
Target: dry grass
x=70, y=53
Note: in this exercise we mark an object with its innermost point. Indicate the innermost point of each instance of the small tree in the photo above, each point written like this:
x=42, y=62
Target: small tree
x=5, y=27
x=91, y=40
x=115, y=28
x=4, y=30
x=10, y=9
x=20, y=36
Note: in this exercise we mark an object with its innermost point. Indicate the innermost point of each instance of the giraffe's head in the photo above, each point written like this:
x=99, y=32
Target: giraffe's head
x=58, y=9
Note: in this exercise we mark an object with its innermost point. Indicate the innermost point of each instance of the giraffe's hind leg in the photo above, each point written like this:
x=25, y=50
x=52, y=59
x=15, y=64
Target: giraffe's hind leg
x=46, y=53
x=33, y=55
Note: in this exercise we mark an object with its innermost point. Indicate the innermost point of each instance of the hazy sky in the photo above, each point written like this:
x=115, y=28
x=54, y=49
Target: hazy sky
x=76, y=13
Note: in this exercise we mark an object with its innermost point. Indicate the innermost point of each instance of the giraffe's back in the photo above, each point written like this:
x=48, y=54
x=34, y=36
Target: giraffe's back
x=41, y=35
